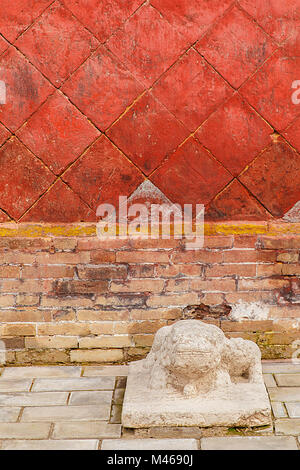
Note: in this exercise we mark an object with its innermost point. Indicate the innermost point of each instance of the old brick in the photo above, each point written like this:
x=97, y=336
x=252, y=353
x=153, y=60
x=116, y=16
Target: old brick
x=240, y=270
x=97, y=355
x=26, y=315
x=288, y=257
x=27, y=300
x=101, y=257
x=75, y=287
x=61, y=329
x=111, y=272
x=142, y=257
x=141, y=270
x=116, y=341
x=203, y=257
x=63, y=258
x=284, y=243
x=261, y=284
x=9, y=272
x=220, y=285
x=7, y=300
x=156, y=314
x=172, y=300
x=47, y=272
x=52, y=302
x=51, y=342
x=18, y=329
x=102, y=315
x=138, y=285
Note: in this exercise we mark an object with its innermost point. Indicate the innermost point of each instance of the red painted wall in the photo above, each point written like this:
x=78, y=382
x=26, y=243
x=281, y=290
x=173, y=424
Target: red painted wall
x=194, y=95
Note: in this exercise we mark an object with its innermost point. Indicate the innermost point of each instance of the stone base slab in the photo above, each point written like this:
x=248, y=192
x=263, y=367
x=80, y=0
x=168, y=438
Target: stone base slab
x=240, y=404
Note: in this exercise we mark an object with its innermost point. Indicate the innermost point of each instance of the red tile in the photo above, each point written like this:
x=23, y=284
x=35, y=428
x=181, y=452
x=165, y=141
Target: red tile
x=57, y=44
x=190, y=18
x=236, y=203
x=191, y=175
x=59, y=204
x=4, y=218
x=274, y=178
x=26, y=89
x=17, y=15
x=147, y=133
x=102, y=88
x=3, y=45
x=102, y=18
x=278, y=18
x=147, y=44
x=236, y=47
x=235, y=134
x=102, y=175
x=292, y=134
x=23, y=178
x=192, y=90
x=58, y=133
x=270, y=90
x=4, y=133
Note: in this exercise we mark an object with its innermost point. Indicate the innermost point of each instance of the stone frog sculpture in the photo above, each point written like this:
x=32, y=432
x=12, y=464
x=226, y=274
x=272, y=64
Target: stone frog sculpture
x=193, y=357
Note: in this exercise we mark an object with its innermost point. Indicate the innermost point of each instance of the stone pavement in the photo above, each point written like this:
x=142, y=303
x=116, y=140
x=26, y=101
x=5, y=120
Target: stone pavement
x=74, y=407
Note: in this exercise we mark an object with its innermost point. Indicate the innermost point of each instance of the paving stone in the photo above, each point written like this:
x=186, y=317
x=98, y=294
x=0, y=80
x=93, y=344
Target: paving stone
x=290, y=427
x=285, y=394
x=24, y=430
x=109, y=371
x=249, y=443
x=9, y=415
x=269, y=380
x=70, y=384
x=280, y=368
x=91, y=398
x=118, y=396
x=288, y=380
x=293, y=409
x=33, y=399
x=149, y=444
x=86, y=430
x=44, y=371
x=74, y=444
x=66, y=413
x=15, y=385
x=279, y=410
x=116, y=414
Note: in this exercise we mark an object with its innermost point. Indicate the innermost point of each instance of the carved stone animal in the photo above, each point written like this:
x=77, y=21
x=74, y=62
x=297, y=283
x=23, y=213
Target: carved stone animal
x=191, y=357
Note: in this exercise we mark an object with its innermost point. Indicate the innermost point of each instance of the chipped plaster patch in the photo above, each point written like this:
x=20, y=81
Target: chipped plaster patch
x=249, y=311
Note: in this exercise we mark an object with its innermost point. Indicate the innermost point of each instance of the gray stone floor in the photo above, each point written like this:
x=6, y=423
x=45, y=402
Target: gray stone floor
x=74, y=407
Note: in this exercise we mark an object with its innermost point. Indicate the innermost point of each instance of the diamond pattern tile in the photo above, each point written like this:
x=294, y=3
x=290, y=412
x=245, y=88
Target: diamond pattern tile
x=274, y=178
x=99, y=172
x=191, y=174
x=102, y=18
x=236, y=47
x=26, y=89
x=147, y=44
x=118, y=88
x=3, y=45
x=278, y=18
x=192, y=90
x=4, y=134
x=148, y=133
x=241, y=132
x=57, y=44
x=17, y=15
x=58, y=133
x=190, y=18
x=292, y=134
x=23, y=178
x=59, y=204
x=109, y=98
x=270, y=90
x=236, y=203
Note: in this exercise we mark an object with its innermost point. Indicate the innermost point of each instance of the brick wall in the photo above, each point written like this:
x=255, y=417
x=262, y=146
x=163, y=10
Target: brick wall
x=68, y=299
